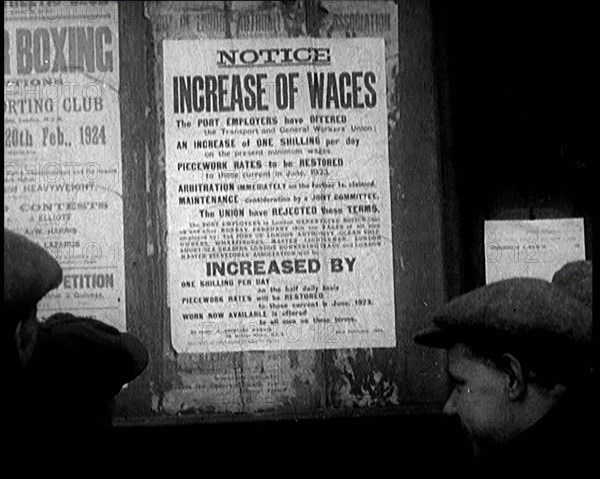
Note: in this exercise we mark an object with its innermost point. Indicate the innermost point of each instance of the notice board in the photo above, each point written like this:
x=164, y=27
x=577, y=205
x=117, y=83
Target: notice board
x=62, y=147
x=365, y=150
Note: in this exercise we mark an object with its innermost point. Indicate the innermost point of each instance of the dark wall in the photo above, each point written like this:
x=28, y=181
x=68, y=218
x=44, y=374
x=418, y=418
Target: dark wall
x=514, y=87
x=399, y=445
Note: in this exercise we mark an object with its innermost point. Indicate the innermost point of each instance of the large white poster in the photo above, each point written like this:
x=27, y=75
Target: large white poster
x=62, y=148
x=278, y=194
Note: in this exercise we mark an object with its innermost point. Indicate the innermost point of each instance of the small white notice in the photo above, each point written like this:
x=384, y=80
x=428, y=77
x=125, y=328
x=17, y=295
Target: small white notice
x=531, y=248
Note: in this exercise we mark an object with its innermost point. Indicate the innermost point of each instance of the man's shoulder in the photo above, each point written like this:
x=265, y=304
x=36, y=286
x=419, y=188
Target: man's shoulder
x=559, y=442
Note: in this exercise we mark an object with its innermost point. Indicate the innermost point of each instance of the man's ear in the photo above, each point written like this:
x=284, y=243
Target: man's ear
x=516, y=381
x=26, y=336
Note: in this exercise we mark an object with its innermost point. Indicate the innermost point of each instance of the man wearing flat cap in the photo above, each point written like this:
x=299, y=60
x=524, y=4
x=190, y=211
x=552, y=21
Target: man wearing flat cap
x=519, y=363
x=576, y=279
x=30, y=272
x=63, y=372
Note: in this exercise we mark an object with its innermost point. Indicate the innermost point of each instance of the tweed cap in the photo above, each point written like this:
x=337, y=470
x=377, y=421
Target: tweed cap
x=527, y=309
x=576, y=279
x=30, y=272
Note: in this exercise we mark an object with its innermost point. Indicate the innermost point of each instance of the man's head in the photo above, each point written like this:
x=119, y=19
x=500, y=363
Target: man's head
x=576, y=279
x=78, y=367
x=516, y=347
x=30, y=272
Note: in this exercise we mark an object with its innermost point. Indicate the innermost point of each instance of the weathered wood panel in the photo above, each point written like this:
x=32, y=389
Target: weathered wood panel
x=141, y=267
x=407, y=377
x=284, y=384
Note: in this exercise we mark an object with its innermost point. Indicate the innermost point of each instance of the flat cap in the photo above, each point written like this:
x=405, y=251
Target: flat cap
x=529, y=309
x=85, y=358
x=576, y=279
x=30, y=272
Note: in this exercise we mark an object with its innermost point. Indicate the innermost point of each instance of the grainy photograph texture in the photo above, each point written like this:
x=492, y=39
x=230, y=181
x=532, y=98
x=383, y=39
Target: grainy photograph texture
x=232, y=224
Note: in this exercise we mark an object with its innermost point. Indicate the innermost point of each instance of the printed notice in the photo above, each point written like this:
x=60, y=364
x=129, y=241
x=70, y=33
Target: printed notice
x=62, y=148
x=531, y=248
x=278, y=195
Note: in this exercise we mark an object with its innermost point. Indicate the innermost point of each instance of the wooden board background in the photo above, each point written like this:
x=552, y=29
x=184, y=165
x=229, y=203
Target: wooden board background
x=217, y=387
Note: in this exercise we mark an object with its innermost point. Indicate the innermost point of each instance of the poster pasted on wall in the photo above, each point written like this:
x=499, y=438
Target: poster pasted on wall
x=531, y=248
x=278, y=195
x=62, y=148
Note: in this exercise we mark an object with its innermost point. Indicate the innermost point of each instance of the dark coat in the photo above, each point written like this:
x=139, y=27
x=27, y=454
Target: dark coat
x=560, y=443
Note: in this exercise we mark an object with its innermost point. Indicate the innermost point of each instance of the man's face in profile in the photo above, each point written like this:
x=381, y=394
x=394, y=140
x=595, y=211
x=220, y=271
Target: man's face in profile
x=478, y=397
